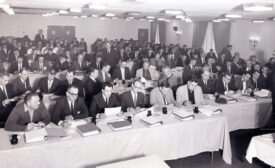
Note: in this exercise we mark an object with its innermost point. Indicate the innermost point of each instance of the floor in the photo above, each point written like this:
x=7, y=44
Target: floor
x=239, y=141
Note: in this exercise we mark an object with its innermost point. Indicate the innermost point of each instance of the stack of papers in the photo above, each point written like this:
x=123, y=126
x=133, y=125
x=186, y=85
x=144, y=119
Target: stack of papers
x=36, y=135
x=120, y=125
x=262, y=93
x=88, y=129
x=109, y=112
x=183, y=115
x=247, y=98
x=56, y=132
x=75, y=123
x=209, y=110
x=229, y=99
x=151, y=121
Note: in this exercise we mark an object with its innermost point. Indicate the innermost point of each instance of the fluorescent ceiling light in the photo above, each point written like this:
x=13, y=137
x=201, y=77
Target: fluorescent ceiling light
x=76, y=10
x=150, y=20
x=161, y=19
x=167, y=20
x=233, y=15
x=217, y=21
x=102, y=18
x=110, y=15
x=173, y=12
x=188, y=20
x=97, y=6
x=141, y=19
x=224, y=19
x=258, y=21
x=180, y=17
x=256, y=7
x=84, y=16
x=130, y=17
x=64, y=12
x=150, y=17
x=134, y=13
x=94, y=15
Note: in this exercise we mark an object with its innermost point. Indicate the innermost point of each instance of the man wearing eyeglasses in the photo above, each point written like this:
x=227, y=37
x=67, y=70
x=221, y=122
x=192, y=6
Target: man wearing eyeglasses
x=69, y=107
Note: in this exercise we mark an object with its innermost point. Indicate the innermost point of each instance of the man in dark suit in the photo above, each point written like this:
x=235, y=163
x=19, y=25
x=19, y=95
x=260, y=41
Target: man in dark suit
x=7, y=101
x=71, y=80
x=257, y=83
x=243, y=83
x=122, y=72
x=212, y=54
x=248, y=67
x=227, y=50
x=50, y=84
x=39, y=37
x=265, y=78
x=24, y=116
x=80, y=64
x=133, y=98
x=21, y=85
x=104, y=99
x=202, y=59
x=206, y=84
x=40, y=65
x=69, y=107
x=236, y=67
x=110, y=56
x=92, y=86
x=189, y=71
x=97, y=63
x=224, y=85
x=17, y=66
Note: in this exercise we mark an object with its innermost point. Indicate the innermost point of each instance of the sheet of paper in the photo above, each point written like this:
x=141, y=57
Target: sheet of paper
x=109, y=112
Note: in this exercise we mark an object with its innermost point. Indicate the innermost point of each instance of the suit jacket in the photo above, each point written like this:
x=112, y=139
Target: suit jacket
x=111, y=57
x=14, y=67
x=156, y=97
x=208, y=88
x=5, y=109
x=99, y=104
x=107, y=77
x=157, y=63
x=38, y=38
x=117, y=73
x=76, y=66
x=18, y=119
x=182, y=95
x=91, y=88
x=152, y=75
x=127, y=100
x=187, y=74
x=220, y=88
x=265, y=82
x=94, y=65
x=238, y=70
x=171, y=63
x=239, y=84
x=19, y=87
x=200, y=62
x=213, y=55
x=62, y=109
x=172, y=80
x=43, y=85
x=36, y=66
x=65, y=84
x=260, y=84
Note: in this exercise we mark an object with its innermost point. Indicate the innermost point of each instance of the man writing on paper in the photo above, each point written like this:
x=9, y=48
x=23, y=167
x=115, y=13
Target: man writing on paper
x=69, y=107
x=24, y=116
x=104, y=99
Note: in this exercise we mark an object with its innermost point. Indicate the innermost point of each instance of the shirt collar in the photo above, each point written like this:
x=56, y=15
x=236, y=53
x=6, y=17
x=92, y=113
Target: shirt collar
x=26, y=108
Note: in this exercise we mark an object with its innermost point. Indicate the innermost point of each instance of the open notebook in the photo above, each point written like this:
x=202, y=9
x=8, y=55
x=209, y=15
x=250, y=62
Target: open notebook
x=41, y=134
x=209, y=110
x=183, y=115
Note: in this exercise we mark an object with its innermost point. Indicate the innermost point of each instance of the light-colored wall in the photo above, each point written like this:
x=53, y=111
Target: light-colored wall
x=90, y=28
x=186, y=36
x=242, y=30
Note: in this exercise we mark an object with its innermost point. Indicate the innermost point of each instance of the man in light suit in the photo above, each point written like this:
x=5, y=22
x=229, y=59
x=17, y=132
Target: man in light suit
x=190, y=93
x=49, y=84
x=146, y=72
x=104, y=75
x=122, y=72
x=162, y=95
x=24, y=116
x=105, y=99
x=69, y=107
x=133, y=98
x=21, y=85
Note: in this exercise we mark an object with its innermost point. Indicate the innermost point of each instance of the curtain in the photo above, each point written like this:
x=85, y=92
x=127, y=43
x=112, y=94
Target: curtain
x=221, y=35
x=161, y=29
x=209, y=42
x=199, y=29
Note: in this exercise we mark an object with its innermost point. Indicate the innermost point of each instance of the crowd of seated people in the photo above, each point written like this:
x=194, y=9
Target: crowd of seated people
x=104, y=64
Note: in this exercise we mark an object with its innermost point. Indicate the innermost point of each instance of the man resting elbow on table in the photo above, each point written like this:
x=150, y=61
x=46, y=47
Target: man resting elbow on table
x=190, y=93
x=28, y=115
x=69, y=107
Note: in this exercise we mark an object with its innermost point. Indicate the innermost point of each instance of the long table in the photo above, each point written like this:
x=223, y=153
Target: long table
x=175, y=139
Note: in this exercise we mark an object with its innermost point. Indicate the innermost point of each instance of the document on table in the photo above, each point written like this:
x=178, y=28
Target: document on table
x=109, y=112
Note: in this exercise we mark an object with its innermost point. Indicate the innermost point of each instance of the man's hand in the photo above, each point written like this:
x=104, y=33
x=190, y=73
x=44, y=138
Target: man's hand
x=69, y=117
x=41, y=124
x=7, y=101
x=30, y=127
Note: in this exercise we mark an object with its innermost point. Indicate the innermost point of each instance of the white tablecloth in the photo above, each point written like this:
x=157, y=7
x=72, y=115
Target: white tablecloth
x=173, y=140
x=247, y=115
x=263, y=148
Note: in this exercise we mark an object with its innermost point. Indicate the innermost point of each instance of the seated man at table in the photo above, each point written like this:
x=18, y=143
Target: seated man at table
x=7, y=101
x=17, y=66
x=190, y=93
x=169, y=77
x=105, y=99
x=69, y=107
x=49, y=84
x=243, y=84
x=92, y=86
x=162, y=95
x=146, y=72
x=122, y=72
x=133, y=98
x=80, y=64
x=24, y=115
x=21, y=85
x=103, y=74
x=224, y=85
x=40, y=65
x=206, y=83
x=71, y=80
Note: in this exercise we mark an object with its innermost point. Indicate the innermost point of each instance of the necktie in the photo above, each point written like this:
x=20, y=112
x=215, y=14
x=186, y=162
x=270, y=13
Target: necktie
x=3, y=90
x=80, y=64
x=135, y=100
x=49, y=85
x=72, y=108
x=98, y=66
x=41, y=67
x=19, y=67
x=106, y=102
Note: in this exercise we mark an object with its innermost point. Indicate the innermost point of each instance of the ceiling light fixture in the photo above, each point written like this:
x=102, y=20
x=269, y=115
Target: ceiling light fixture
x=180, y=17
x=217, y=21
x=150, y=17
x=75, y=17
x=161, y=19
x=167, y=20
x=83, y=16
x=233, y=16
x=173, y=12
x=257, y=7
x=110, y=15
x=94, y=15
x=224, y=19
x=97, y=6
x=133, y=13
x=258, y=21
x=64, y=12
x=130, y=17
x=76, y=10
